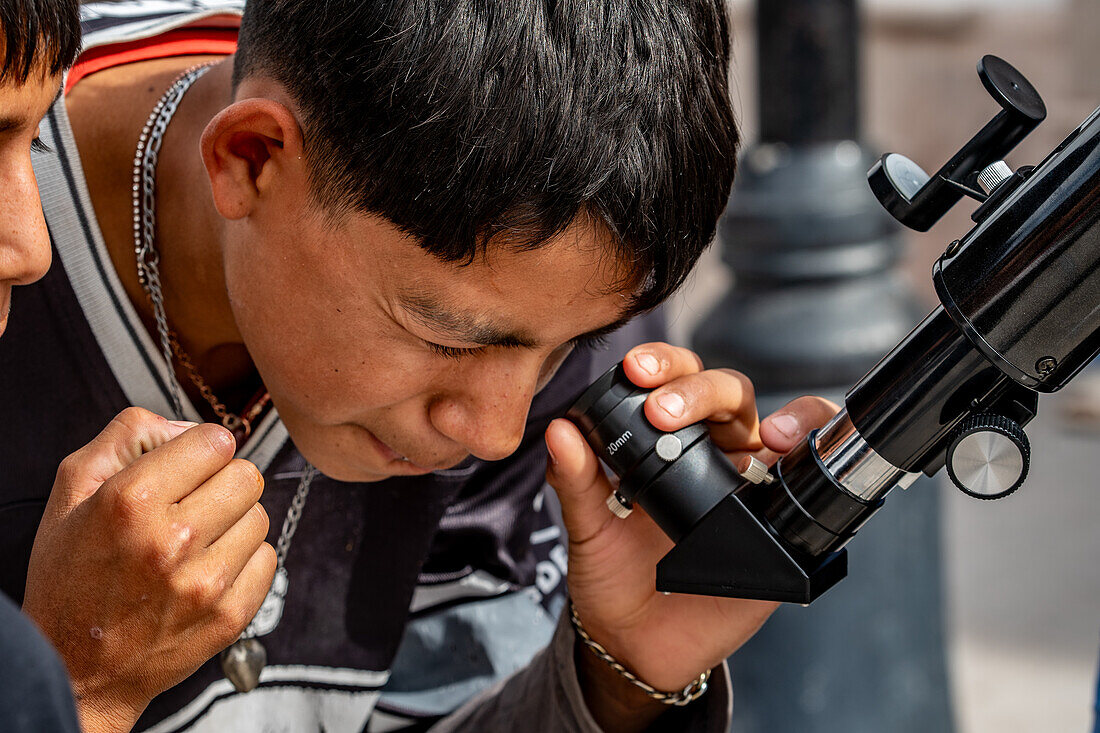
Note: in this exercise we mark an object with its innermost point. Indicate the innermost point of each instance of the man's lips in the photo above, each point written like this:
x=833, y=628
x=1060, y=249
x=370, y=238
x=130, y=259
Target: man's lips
x=387, y=452
x=393, y=456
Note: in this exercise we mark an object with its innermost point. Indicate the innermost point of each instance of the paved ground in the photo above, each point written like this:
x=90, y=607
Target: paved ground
x=1024, y=589
x=1023, y=583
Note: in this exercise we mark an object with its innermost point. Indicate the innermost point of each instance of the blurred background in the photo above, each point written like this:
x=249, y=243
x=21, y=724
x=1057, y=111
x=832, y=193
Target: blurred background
x=957, y=615
x=988, y=619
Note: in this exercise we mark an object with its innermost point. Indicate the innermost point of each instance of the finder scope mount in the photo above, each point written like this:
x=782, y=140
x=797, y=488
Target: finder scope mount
x=918, y=200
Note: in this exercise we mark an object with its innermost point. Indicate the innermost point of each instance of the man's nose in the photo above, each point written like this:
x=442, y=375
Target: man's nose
x=24, y=241
x=486, y=409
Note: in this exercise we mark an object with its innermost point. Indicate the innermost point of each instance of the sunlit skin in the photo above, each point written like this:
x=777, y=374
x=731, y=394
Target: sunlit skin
x=24, y=243
x=345, y=320
x=366, y=371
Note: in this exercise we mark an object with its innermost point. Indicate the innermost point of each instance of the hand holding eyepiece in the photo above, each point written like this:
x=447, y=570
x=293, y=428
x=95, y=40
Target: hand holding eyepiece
x=728, y=522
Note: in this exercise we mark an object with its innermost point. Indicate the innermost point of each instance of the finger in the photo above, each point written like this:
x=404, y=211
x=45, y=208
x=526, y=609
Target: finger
x=230, y=553
x=245, y=596
x=722, y=397
x=651, y=365
x=784, y=428
x=221, y=501
x=577, y=477
x=132, y=433
x=175, y=469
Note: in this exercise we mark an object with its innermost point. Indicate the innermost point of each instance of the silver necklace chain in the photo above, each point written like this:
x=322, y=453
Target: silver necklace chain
x=286, y=534
x=145, y=216
x=148, y=267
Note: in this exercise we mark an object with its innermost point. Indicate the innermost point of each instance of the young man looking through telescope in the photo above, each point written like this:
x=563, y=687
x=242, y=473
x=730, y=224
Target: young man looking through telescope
x=394, y=222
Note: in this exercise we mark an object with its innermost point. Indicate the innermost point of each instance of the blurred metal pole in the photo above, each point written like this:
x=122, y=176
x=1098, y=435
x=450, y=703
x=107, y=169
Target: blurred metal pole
x=814, y=305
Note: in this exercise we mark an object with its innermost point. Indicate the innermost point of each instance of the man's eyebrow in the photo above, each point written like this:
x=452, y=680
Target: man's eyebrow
x=461, y=326
x=465, y=327
x=10, y=123
x=602, y=331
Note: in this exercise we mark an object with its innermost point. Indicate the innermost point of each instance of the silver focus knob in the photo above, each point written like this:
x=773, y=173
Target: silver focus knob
x=620, y=507
x=988, y=456
x=994, y=175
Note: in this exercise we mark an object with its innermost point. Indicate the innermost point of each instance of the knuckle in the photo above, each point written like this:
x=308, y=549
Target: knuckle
x=127, y=506
x=748, y=391
x=133, y=416
x=268, y=558
x=689, y=357
x=136, y=421
x=264, y=562
x=260, y=521
x=746, y=385
x=70, y=468
x=231, y=619
x=819, y=409
x=130, y=500
x=203, y=590
x=700, y=389
x=247, y=476
x=161, y=559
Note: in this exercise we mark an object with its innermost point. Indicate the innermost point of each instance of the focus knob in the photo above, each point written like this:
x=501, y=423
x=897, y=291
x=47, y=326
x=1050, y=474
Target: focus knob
x=988, y=456
x=994, y=175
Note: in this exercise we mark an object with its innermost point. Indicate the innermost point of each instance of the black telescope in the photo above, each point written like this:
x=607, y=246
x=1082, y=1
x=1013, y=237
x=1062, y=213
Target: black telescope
x=1019, y=315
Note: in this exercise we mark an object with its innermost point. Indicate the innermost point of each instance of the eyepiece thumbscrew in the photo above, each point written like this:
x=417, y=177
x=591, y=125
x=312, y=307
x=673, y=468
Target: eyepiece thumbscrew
x=754, y=470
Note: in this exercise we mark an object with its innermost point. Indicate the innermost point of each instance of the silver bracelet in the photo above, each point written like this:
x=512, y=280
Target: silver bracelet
x=689, y=694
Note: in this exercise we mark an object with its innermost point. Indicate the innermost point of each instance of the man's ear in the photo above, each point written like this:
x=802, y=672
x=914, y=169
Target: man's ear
x=245, y=148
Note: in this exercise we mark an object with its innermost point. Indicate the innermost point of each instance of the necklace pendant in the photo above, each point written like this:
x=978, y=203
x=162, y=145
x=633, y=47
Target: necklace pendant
x=242, y=663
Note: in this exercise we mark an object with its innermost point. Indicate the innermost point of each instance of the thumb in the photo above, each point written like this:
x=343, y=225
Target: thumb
x=132, y=433
x=579, y=480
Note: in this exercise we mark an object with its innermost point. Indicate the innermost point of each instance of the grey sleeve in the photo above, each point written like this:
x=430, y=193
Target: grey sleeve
x=545, y=697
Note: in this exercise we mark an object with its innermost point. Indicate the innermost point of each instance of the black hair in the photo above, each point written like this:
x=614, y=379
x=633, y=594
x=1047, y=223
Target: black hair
x=465, y=120
x=38, y=32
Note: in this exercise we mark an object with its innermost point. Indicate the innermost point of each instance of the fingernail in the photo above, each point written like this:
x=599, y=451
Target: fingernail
x=546, y=440
x=223, y=438
x=671, y=403
x=786, y=424
x=185, y=424
x=649, y=363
